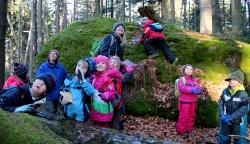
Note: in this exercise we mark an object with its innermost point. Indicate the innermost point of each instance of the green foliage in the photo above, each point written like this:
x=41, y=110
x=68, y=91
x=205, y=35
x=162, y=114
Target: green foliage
x=23, y=128
x=207, y=114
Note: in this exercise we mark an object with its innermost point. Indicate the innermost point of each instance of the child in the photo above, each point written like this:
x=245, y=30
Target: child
x=102, y=109
x=189, y=89
x=79, y=87
x=21, y=98
x=118, y=104
x=233, y=104
x=108, y=48
x=19, y=78
x=151, y=38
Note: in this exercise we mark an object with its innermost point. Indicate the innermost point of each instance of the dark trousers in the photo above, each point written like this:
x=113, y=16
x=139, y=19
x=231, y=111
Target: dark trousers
x=225, y=130
x=150, y=45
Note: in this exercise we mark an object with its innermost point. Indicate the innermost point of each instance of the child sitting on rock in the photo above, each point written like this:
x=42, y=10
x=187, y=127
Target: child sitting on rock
x=76, y=88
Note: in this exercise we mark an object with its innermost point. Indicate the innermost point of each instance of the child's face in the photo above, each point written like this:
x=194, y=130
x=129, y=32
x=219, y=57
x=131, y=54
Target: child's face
x=113, y=64
x=53, y=56
x=101, y=66
x=234, y=83
x=83, y=67
x=188, y=70
x=119, y=30
x=38, y=88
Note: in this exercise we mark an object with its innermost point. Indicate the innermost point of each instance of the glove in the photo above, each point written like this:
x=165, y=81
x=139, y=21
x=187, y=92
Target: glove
x=227, y=119
x=25, y=108
x=196, y=90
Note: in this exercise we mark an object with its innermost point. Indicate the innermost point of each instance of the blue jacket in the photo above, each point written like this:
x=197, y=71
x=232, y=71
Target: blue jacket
x=115, y=49
x=14, y=97
x=78, y=109
x=59, y=73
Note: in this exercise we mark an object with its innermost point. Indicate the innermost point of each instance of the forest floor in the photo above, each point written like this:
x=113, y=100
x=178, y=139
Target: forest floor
x=165, y=129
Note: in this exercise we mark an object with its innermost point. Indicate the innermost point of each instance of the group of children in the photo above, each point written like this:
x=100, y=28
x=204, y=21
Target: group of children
x=95, y=89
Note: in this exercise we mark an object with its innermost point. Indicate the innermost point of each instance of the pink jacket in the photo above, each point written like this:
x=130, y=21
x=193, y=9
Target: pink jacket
x=13, y=81
x=102, y=109
x=186, y=94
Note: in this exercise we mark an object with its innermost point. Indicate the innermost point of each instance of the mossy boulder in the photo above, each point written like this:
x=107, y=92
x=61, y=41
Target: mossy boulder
x=216, y=56
x=24, y=128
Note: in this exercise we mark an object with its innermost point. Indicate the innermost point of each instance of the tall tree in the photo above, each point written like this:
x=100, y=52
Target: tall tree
x=205, y=17
x=65, y=11
x=57, y=18
x=75, y=10
x=20, y=33
x=112, y=9
x=184, y=3
x=123, y=14
x=216, y=16
x=248, y=6
x=164, y=10
x=97, y=7
x=236, y=14
x=3, y=25
x=39, y=26
x=130, y=9
x=172, y=11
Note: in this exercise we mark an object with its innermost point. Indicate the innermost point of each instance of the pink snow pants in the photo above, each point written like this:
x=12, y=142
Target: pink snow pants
x=187, y=116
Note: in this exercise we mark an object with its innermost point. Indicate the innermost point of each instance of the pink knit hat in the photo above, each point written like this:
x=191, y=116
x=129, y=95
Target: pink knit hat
x=101, y=58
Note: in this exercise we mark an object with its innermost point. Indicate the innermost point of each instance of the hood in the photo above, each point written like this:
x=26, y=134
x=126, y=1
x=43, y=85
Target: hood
x=148, y=23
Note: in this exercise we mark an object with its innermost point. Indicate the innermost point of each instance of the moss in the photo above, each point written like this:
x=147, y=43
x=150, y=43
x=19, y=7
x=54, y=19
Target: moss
x=24, y=128
x=206, y=52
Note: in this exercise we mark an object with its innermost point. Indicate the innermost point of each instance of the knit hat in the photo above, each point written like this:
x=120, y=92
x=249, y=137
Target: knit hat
x=91, y=66
x=143, y=20
x=236, y=75
x=49, y=81
x=56, y=51
x=20, y=70
x=184, y=67
x=118, y=24
x=102, y=58
x=117, y=59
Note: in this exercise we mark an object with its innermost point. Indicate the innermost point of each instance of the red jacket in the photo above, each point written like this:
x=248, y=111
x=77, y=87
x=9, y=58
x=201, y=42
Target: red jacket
x=13, y=81
x=148, y=33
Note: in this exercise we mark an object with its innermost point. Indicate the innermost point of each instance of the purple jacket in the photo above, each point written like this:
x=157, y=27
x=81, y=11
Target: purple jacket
x=186, y=94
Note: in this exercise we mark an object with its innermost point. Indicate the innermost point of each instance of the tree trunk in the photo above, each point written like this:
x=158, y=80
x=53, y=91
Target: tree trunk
x=3, y=25
x=236, y=14
x=101, y=8
x=216, y=17
x=12, y=31
x=39, y=27
x=184, y=3
x=75, y=10
x=35, y=29
x=97, y=7
x=112, y=9
x=123, y=11
x=130, y=15
x=46, y=25
x=65, y=11
x=205, y=17
x=57, y=18
x=248, y=6
x=196, y=21
x=164, y=10
x=172, y=11
x=87, y=6
x=20, y=34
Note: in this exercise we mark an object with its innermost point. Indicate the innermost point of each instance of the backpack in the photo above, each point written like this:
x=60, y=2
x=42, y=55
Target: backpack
x=118, y=95
x=157, y=27
x=95, y=49
x=176, y=89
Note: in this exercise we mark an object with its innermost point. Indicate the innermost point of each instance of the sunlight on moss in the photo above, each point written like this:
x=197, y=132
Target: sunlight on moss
x=216, y=72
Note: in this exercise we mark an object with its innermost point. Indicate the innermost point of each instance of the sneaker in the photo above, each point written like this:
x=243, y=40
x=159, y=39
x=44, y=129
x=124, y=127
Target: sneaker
x=175, y=61
x=155, y=54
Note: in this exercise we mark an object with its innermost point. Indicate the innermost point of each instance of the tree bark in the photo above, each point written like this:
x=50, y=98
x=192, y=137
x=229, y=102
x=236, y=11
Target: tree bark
x=57, y=18
x=130, y=9
x=123, y=11
x=32, y=40
x=75, y=10
x=3, y=25
x=112, y=9
x=205, y=17
x=20, y=34
x=172, y=11
x=216, y=17
x=236, y=14
x=97, y=7
x=184, y=3
x=164, y=10
x=101, y=8
x=46, y=25
x=65, y=11
x=39, y=27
